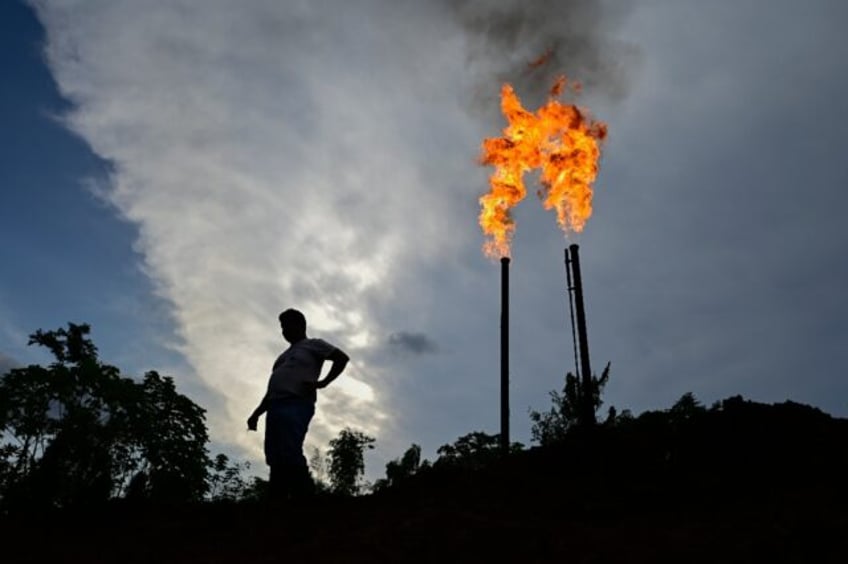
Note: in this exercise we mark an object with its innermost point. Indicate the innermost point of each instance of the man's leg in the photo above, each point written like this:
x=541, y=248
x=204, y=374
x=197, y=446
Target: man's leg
x=275, y=423
x=297, y=472
x=289, y=471
x=277, y=483
x=302, y=484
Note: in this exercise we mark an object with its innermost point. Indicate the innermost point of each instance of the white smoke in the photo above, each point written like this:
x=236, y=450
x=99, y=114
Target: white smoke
x=263, y=149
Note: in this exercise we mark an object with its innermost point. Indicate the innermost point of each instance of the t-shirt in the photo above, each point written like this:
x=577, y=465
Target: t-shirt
x=296, y=367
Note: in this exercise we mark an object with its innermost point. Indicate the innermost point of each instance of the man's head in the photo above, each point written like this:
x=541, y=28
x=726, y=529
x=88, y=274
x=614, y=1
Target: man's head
x=293, y=324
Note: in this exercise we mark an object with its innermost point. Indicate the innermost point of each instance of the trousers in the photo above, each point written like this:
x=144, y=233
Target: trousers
x=287, y=421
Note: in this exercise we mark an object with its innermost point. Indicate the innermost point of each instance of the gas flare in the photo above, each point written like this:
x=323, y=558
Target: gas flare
x=563, y=142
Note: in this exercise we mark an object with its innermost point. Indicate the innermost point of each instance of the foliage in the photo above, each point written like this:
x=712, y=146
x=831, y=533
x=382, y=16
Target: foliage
x=401, y=469
x=78, y=432
x=347, y=461
x=173, y=441
x=318, y=467
x=225, y=479
x=551, y=426
x=406, y=466
x=686, y=409
x=473, y=451
x=256, y=490
x=616, y=419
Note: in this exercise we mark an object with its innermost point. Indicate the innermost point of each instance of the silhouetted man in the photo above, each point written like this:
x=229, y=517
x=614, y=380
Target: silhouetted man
x=290, y=405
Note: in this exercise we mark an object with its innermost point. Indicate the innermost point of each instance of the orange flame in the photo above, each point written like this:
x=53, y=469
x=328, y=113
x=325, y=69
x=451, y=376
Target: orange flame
x=560, y=140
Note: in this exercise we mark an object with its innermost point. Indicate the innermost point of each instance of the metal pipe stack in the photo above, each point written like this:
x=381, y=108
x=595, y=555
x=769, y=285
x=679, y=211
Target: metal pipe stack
x=587, y=407
x=505, y=354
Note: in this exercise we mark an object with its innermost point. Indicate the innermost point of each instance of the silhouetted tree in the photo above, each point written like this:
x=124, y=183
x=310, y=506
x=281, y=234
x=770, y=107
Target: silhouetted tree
x=551, y=426
x=686, y=408
x=473, y=451
x=616, y=419
x=225, y=479
x=347, y=460
x=7, y=454
x=172, y=441
x=76, y=431
x=401, y=469
x=318, y=467
x=256, y=490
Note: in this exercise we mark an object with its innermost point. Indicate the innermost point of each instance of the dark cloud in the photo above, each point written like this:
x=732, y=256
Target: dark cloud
x=415, y=343
x=713, y=250
x=531, y=43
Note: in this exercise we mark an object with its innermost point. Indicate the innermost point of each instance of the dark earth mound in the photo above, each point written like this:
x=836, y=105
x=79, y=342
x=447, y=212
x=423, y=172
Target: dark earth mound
x=744, y=483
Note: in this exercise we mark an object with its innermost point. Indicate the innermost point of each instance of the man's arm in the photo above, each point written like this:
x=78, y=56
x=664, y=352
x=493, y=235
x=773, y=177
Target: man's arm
x=339, y=360
x=254, y=417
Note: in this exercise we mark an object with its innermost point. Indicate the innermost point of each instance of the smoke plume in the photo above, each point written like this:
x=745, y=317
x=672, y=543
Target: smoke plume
x=530, y=43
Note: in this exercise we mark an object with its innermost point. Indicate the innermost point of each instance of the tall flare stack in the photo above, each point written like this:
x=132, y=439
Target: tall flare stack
x=587, y=404
x=561, y=141
x=505, y=354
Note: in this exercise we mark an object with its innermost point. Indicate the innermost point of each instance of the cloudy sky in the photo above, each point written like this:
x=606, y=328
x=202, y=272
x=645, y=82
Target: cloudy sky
x=176, y=173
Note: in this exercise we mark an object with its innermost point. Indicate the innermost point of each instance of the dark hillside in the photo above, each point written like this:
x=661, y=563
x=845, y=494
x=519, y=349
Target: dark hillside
x=742, y=482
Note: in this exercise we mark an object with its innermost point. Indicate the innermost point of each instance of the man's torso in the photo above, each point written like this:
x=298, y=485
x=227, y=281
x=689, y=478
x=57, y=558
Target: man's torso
x=298, y=368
